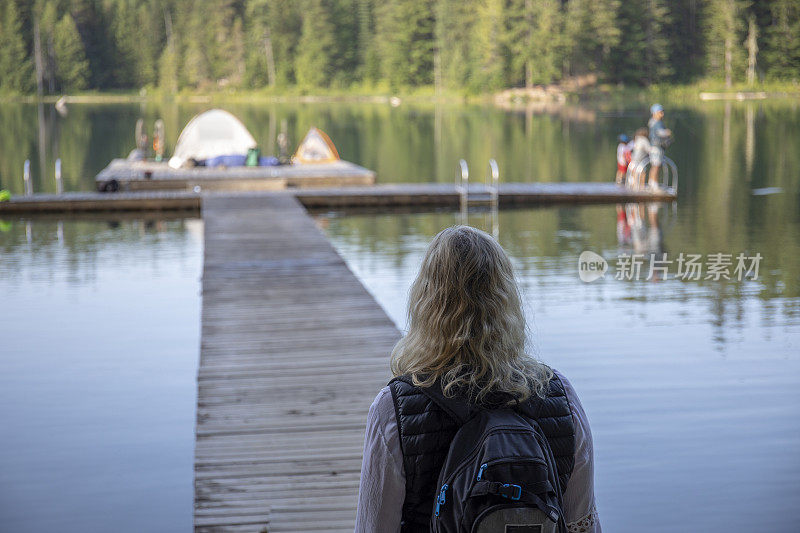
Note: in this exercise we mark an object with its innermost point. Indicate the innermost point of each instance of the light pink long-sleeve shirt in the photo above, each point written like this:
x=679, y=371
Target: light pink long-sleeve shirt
x=383, y=481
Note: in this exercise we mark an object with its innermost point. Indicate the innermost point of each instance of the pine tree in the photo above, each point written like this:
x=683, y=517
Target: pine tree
x=151, y=40
x=405, y=41
x=316, y=47
x=752, y=49
x=455, y=21
x=643, y=54
x=47, y=26
x=233, y=57
x=725, y=32
x=285, y=25
x=126, y=43
x=345, y=59
x=592, y=28
x=196, y=67
x=260, y=53
x=656, y=58
x=487, y=47
x=71, y=65
x=519, y=40
x=782, y=48
x=534, y=39
x=93, y=22
x=16, y=72
x=168, y=61
x=369, y=59
x=547, y=56
x=605, y=27
x=684, y=38
x=222, y=43
x=477, y=45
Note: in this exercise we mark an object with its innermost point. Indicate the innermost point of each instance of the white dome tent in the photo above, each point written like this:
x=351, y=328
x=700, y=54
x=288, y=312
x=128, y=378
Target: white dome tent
x=211, y=134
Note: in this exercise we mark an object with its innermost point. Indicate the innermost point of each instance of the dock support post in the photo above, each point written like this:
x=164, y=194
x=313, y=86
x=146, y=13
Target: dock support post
x=463, y=188
x=59, y=183
x=494, y=195
x=494, y=175
x=26, y=177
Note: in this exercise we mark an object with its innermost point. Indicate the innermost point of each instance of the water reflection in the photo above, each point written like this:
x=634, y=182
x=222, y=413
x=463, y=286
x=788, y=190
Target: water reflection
x=545, y=244
x=723, y=149
x=97, y=373
x=654, y=362
x=674, y=375
x=637, y=233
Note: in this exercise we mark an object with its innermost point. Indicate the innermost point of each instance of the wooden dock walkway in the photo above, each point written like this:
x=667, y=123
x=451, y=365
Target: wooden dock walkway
x=293, y=351
x=85, y=202
x=388, y=195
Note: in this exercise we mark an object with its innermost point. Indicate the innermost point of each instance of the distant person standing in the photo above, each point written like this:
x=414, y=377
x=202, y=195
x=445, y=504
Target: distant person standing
x=623, y=157
x=641, y=149
x=659, y=138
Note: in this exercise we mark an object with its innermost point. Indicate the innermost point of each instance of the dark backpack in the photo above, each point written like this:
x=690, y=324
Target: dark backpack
x=499, y=476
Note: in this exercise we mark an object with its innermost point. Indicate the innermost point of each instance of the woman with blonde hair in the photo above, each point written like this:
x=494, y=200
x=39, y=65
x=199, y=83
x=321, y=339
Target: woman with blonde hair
x=466, y=338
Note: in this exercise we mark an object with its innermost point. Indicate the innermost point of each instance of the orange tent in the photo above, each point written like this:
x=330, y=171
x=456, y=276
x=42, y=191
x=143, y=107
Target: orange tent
x=317, y=147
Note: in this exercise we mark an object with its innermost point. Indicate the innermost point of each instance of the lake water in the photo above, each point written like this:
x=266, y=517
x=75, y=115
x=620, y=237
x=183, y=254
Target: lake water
x=692, y=387
x=101, y=325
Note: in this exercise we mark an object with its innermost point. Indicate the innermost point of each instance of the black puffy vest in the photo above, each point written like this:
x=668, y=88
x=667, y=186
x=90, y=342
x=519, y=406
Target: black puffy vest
x=426, y=432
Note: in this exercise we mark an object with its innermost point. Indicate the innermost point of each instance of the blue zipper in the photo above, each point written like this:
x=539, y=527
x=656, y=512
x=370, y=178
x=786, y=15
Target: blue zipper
x=480, y=472
x=440, y=500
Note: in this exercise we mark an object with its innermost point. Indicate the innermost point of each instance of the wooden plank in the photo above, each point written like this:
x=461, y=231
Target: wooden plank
x=293, y=351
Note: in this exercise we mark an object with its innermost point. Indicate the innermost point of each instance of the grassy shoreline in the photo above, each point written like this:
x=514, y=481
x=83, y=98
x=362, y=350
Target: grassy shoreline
x=600, y=94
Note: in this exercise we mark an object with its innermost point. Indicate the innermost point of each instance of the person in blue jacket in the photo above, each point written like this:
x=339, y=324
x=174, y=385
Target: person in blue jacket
x=660, y=137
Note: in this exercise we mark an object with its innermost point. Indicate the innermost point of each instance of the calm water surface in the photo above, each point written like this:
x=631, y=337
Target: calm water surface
x=97, y=374
x=720, y=149
x=692, y=387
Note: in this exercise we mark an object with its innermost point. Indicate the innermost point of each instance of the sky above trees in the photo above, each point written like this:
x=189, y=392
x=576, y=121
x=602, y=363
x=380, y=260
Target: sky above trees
x=465, y=45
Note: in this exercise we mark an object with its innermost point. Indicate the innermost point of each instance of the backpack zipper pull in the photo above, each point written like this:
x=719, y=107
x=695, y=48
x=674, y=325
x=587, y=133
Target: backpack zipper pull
x=480, y=472
x=440, y=500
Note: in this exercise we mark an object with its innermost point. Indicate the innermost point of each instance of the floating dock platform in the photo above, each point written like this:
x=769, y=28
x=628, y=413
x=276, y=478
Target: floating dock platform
x=124, y=175
x=446, y=195
x=401, y=195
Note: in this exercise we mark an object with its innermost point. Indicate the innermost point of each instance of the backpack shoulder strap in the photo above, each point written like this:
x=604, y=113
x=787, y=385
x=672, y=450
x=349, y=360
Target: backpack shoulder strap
x=536, y=407
x=457, y=408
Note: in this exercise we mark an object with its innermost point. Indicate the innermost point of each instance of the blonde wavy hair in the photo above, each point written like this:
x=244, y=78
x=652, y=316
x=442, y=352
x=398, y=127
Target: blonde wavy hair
x=466, y=324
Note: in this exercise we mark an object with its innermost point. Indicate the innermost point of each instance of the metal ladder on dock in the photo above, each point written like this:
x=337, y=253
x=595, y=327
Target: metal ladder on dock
x=669, y=178
x=487, y=195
